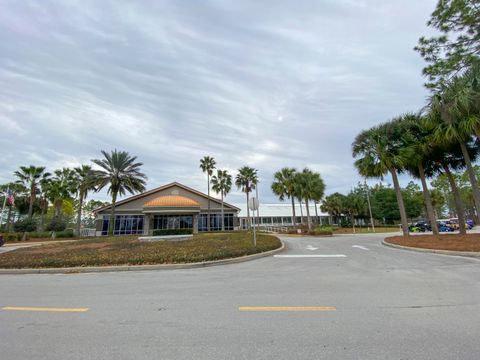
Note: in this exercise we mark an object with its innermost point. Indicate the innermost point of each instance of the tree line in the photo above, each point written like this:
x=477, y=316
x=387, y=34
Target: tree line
x=443, y=137
x=35, y=191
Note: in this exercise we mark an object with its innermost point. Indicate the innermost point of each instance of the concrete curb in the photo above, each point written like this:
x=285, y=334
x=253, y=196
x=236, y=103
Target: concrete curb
x=434, y=251
x=97, y=269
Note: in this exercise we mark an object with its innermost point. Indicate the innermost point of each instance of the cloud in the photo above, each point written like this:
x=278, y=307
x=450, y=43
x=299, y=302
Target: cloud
x=266, y=84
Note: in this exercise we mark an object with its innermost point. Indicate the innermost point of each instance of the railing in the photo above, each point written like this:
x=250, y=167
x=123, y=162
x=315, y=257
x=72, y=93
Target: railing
x=274, y=229
x=87, y=232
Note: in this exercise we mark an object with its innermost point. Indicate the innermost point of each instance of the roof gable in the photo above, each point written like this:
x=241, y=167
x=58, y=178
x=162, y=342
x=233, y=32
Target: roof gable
x=149, y=193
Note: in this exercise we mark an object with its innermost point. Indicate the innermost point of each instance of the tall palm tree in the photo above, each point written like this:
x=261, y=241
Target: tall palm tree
x=453, y=112
x=29, y=177
x=61, y=187
x=377, y=153
x=207, y=164
x=333, y=205
x=44, y=183
x=246, y=180
x=284, y=187
x=121, y=173
x=222, y=184
x=310, y=186
x=415, y=152
x=85, y=182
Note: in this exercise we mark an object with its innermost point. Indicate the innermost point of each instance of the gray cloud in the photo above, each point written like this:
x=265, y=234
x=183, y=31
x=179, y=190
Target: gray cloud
x=268, y=84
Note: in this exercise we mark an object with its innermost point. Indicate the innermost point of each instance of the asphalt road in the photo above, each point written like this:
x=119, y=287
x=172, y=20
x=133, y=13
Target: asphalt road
x=390, y=304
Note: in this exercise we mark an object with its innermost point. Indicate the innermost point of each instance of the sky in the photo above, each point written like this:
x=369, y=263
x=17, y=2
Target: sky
x=266, y=84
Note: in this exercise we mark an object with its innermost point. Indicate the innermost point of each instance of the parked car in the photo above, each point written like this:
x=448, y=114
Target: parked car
x=420, y=226
x=454, y=224
x=444, y=227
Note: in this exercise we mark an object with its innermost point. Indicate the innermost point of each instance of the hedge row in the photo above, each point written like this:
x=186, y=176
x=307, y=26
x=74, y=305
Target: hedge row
x=161, y=232
x=18, y=236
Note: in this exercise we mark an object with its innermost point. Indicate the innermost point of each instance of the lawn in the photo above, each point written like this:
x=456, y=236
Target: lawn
x=131, y=251
x=452, y=242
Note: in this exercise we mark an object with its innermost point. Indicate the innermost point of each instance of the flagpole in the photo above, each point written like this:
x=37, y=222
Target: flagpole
x=4, y=204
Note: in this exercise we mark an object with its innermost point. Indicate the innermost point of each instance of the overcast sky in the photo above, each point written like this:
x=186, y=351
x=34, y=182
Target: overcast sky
x=261, y=83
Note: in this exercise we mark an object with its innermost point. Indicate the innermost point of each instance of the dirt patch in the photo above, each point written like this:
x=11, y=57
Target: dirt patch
x=450, y=242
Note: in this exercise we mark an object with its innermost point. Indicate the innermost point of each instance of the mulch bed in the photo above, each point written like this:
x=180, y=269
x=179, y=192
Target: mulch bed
x=451, y=242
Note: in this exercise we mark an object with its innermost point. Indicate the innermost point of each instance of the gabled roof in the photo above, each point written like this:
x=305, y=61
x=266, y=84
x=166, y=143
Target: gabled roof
x=160, y=188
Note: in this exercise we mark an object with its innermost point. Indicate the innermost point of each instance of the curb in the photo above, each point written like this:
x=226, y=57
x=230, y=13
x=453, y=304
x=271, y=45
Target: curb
x=98, y=269
x=473, y=254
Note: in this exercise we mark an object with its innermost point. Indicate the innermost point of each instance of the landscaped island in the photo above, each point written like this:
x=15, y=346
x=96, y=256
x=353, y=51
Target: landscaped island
x=130, y=251
x=450, y=242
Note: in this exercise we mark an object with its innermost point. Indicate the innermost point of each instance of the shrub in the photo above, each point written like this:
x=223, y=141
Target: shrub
x=56, y=224
x=321, y=231
x=25, y=225
x=161, y=232
x=9, y=237
x=64, y=234
x=40, y=234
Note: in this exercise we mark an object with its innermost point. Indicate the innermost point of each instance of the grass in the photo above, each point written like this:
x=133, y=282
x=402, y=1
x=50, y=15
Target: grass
x=364, y=230
x=131, y=251
x=452, y=242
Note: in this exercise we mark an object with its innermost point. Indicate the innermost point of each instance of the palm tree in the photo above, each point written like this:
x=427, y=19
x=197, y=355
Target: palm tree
x=377, y=153
x=222, y=184
x=284, y=187
x=333, y=205
x=44, y=189
x=85, y=183
x=121, y=173
x=246, y=180
x=29, y=177
x=60, y=188
x=452, y=110
x=207, y=164
x=415, y=152
x=9, y=192
x=310, y=186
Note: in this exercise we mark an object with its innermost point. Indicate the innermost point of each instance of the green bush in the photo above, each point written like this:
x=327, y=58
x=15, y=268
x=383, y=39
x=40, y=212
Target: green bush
x=9, y=237
x=56, y=224
x=40, y=235
x=321, y=231
x=161, y=232
x=25, y=225
x=64, y=234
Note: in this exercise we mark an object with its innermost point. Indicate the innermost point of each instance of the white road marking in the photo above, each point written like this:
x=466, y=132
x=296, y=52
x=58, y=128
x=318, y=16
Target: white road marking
x=311, y=256
x=310, y=247
x=360, y=247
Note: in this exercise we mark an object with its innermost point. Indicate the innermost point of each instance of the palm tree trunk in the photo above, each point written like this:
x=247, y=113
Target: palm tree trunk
x=458, y=201
x=223, y=218
x=294, y=219
x=428, y=200
x=473, y=180
x=309, y=220
x=301, y=211
x=42, y=216
x=32, y=199
x=79, y=213
x=401, y=204
x=208, y=214
x=111, y=223
x=353, y=222
x=249, y=225
x=316, y=213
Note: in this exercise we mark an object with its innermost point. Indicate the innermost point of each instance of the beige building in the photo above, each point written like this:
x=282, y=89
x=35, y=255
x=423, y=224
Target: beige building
x=172, y=206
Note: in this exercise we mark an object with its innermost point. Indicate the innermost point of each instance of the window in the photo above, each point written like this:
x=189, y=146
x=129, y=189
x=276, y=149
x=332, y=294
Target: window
x=172, y=222
x=124, y=224
x=215, y=222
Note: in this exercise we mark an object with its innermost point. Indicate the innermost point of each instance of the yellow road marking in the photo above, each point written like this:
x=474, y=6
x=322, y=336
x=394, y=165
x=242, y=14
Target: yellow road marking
x=12, y=308
x=287, y=308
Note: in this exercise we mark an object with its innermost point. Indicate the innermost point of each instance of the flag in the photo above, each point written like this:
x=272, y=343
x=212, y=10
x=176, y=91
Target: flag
x=10, y=199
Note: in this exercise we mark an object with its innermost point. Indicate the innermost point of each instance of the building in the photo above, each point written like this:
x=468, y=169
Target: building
x=280, y=215
x=172, y=206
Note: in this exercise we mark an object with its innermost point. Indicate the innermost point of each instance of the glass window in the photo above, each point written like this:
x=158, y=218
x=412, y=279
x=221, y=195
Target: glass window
x=124, y=224
x=172, y=222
